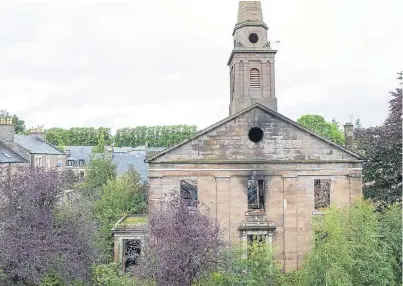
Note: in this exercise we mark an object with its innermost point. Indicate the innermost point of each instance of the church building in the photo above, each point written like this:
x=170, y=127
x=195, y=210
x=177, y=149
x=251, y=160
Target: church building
x=259, y=172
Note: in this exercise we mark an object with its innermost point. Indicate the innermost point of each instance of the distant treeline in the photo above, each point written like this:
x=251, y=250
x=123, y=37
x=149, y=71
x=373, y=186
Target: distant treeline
x=154, y=136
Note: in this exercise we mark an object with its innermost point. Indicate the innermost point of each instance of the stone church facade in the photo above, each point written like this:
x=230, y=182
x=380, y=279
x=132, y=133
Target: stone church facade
x=261, y=174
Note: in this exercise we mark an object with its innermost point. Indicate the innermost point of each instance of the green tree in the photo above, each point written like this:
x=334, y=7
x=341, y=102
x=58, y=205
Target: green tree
x=318, y=125
x=19, y=123
x=383, y=149
x=127, y=194
x=99, y=170
x=258, y=269
x=349, y=250
x=100, y=148
x=154, y=136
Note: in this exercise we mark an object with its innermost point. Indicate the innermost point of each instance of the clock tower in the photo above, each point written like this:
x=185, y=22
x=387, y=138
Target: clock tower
x=251, y=63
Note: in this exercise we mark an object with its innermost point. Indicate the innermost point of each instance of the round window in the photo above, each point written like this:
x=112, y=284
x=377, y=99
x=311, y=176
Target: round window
x=255, y=134
x=253, y=38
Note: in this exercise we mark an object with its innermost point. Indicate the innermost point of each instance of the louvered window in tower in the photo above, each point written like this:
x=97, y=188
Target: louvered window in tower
x=254, y=78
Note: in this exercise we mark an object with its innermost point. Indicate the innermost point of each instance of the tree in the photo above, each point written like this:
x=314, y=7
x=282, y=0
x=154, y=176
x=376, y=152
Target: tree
x=259, y=268
x=350, y=250
x=100, y=169
x=154, y=136
x=37, y=236
x=126, y=194
x=19, y=123
x=318, y=125
x=182, y=246
x=383, y=149
x=100, y=148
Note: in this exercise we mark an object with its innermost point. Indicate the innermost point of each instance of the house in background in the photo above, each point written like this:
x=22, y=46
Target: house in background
x=124, y=157
x=33, y=148
x=10, y=161
x=77, y=158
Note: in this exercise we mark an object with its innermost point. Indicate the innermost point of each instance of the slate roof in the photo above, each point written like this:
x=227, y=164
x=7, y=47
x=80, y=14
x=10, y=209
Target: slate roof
x=35, y=145
x=124, y=161
x=8, y=156
x=79, y=152
x=266, y=109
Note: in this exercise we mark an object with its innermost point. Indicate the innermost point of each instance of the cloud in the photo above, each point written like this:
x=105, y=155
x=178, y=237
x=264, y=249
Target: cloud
x=117, y=64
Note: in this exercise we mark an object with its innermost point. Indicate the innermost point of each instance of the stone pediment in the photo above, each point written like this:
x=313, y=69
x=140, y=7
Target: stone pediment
x=228, y=141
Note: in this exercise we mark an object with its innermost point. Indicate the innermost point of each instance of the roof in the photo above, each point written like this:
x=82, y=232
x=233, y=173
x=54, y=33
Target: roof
x=36, y=145
x=131, y=223
x=125, y=161
x=266, y=109
x=7, y=156
x=79, y=152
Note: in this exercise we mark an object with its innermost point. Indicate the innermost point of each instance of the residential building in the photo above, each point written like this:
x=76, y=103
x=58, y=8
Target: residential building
x=33, y=148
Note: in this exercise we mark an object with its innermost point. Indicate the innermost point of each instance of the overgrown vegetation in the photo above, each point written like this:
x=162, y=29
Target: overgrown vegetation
x=38, y=237
x=124, y=195
x=353, y=247
x=383, y=149
x=183, y=244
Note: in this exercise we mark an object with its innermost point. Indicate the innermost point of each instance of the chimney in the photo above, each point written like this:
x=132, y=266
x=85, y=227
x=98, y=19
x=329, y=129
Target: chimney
x=7, y=129
x=38, y=133
x=349, y=136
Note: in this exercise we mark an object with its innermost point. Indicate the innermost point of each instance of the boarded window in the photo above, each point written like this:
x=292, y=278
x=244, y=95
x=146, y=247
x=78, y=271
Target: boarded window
x=255, y=194
x=188, y=192
x=254, y=78
x=322, y=193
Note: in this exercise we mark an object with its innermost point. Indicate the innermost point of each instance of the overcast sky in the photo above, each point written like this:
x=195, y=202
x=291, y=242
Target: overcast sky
x=127, y=63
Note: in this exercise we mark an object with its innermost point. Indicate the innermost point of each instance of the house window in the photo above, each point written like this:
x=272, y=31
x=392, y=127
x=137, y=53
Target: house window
x=59, y=161
x=48, y=162
x=38, y=161
x=69, y=163
x=254, y=78
x=132, y=251
x=256, y=194
x=81, y=162
x=188, y=192
x=322, y=193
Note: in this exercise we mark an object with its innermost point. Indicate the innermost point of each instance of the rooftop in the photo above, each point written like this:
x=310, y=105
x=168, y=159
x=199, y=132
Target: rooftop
x=36, y=145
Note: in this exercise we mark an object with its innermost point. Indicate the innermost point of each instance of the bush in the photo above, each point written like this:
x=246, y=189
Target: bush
x=258, y=269
x=108, y=275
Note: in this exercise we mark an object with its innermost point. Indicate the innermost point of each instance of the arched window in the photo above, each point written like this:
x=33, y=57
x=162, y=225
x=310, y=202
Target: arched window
x=254, y=78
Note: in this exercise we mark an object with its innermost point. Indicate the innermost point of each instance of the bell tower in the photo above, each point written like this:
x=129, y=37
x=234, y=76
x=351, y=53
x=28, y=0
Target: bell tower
x=251, y=63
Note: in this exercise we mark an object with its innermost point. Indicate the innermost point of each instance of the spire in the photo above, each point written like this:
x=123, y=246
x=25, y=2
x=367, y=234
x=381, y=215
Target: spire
x=249, y=11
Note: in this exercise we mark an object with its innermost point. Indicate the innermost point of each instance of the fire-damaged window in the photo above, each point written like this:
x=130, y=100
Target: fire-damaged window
x=188, y=192
x=322, y=193
x=132, y=251
x=255, y=194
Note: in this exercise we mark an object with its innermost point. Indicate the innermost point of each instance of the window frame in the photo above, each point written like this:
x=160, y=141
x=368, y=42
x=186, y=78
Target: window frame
x=260, y=194
x=320, y=189
x=193, y=201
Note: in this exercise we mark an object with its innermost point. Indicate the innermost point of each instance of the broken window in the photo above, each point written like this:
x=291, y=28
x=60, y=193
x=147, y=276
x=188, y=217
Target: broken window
x=322, y=193
x=132, y=252
x=256, y=194
x=188, y=192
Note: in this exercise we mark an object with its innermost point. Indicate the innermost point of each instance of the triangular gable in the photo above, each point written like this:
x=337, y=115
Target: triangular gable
x=240, y=114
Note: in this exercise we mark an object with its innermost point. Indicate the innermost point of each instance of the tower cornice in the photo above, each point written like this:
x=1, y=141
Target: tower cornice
x=239, y=51
x=249, y=23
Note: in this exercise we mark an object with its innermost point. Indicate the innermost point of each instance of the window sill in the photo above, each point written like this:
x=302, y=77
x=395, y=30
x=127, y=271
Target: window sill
x=255, y=212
